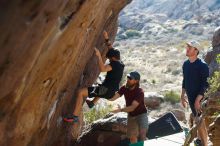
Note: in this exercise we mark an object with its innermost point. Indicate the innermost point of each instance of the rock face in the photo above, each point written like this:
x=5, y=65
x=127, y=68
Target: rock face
x=46, y=54
x=214, y=131
x=105, y=132
x=213, y=104
x=211, y=55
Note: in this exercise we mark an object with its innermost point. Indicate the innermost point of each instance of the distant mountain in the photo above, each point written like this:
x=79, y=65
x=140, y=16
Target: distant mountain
x=152, y=37
x=176, y=19
x=184, y=9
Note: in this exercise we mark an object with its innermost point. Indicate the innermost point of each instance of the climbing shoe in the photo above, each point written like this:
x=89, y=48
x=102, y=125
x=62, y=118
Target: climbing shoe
x=198, y=142
x=71, y=118
x=90, y=103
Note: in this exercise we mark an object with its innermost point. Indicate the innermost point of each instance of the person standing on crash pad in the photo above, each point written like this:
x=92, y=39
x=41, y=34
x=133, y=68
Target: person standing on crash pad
x=137, y=120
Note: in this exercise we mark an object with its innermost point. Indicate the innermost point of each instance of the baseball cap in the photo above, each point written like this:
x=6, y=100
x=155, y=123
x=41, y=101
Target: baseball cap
x=134, y=75
x=194, y=44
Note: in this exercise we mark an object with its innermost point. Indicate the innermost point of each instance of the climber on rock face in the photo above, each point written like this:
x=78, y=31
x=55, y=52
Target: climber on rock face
x=108, y=88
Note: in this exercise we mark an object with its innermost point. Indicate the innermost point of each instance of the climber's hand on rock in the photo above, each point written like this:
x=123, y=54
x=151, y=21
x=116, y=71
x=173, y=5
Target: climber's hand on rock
x=211, y=127
x=97, y=53
x=105, y=34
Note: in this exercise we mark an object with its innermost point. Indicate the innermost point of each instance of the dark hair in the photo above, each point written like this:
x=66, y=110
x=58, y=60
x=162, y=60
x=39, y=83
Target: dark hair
x=138, y=84
x=113, y=53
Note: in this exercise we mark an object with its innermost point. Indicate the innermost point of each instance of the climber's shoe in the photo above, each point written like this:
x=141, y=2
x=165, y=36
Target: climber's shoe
x=71, y=118
x=198, y=142
x=90, y=103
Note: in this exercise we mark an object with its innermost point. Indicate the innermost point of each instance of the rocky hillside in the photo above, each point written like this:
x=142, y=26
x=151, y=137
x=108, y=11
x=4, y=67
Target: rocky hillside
x=152, y=36
x=164, y=18
x=114, y=127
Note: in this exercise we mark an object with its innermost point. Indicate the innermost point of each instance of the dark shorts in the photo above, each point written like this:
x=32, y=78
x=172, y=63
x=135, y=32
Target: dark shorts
x=192, y=107
x=101, y=91
x=136, y=123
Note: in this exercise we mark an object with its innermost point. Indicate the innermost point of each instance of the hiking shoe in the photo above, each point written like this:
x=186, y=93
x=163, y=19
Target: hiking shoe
x=198, y=142
x=71, y=118
x=90, y=103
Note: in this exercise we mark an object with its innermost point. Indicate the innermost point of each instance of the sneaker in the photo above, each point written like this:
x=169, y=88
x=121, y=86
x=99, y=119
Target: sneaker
x=198, y=142
x=90, y=103
x=71, y=118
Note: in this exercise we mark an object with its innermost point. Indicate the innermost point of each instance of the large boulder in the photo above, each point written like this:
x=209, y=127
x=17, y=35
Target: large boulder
x=108, y=131
x=216, y=38
x=105, y=132
x=179, y=114
x=153, y=99
x=213, y=106
x=46, y=54
x=214, y=131
x=210, y=57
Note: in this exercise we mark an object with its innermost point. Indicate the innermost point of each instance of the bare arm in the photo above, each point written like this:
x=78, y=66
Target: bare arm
x=107, y=41
x=183, y=92
x=116, y=96
x=102, y=66
x=183, y=98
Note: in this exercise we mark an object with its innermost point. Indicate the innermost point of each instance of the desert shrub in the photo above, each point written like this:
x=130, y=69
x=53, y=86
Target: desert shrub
x=153, y=81
x=121, y=37
x=217, y=113
x=172, y=30
x=132, y=33
x=214, y=81
x=172, y=97
x=96, y=113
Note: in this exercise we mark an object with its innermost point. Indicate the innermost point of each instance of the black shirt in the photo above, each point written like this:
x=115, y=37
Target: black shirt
x=195, y=76
x=114, y=76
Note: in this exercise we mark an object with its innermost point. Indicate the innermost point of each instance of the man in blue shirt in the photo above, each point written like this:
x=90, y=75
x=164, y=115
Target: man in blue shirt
x=195, y=74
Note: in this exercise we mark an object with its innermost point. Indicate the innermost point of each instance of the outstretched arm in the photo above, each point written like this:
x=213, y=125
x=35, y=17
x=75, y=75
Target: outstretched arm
x=116, y=96
x=127, y=109
x=102, y=66
x=107, y=41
